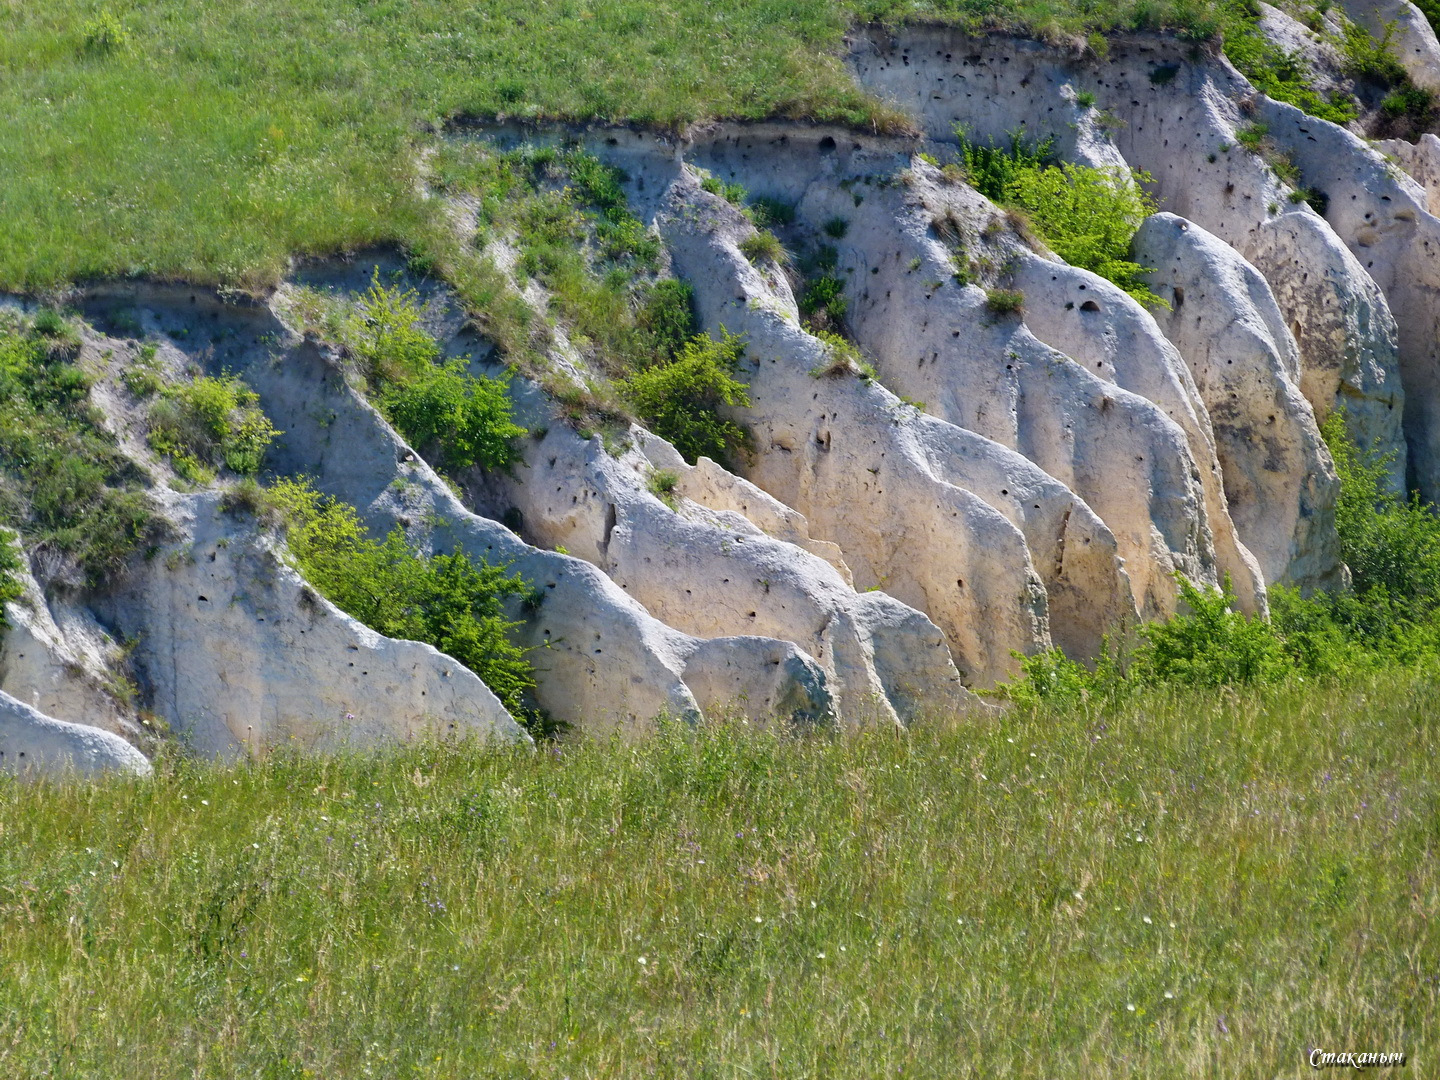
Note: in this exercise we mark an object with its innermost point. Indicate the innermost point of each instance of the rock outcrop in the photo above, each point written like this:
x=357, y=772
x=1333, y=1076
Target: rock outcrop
x=33, y=744
x=242, y=656
x=1280, y=484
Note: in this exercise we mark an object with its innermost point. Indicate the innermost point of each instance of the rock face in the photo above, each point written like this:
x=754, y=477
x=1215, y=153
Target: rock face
x=56, y=658
x=1178, y=118
x=855, y=460
x=242, y=656
x=1421, y=162
x=1074, y=418
x=711, y=571
x=33, y=744
x=1280, y=483
x=957, y=480
x=1413, y=37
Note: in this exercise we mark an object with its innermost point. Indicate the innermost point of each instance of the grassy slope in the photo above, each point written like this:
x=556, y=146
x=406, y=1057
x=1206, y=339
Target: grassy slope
x=997, y=893
x=222, y=138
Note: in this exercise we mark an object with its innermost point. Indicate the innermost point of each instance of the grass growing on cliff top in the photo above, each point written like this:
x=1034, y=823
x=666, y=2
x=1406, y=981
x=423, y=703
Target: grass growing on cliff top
x=1202, y=885
x=212, y=141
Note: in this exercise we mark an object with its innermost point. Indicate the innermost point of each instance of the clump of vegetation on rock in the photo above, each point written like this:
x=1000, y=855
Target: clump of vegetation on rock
x=64, y=485
x=448, y=601
x=436, y=404
x=683, y=398
x=1388, y=618
x=1087, y=216
x=209, y=422
x=10, y=565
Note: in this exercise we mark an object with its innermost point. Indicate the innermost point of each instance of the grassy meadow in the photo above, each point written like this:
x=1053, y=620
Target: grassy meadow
x=213, y=141
x=1206, y=883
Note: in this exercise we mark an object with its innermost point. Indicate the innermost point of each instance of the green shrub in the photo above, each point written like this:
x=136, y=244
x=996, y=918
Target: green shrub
x=467, y=417
x=447, y=601
x=667, y=315
x=764, y=246
x=661, y=484
x=1371, y=58
x=1087, y=216
x=105, y=34
x=731, y=193
x=63, y=484
x=10, y=566
x=823, y=303
x=209, y=422
x=768, y=213
x=1389, y=543
x=842, y=357
x=681, y=399
x=1209, y=645
x=1282, y=75
x=386, y=334
x=836, y=227
x=434, y=404
x=1005, y=301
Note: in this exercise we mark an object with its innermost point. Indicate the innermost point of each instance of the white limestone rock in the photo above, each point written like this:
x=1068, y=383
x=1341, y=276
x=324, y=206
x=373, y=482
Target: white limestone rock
x=1421, y=162
x=1280, y=483
x=1412, y=37
x=869, y=472
x=602, y=661
x=57, y=659
x=33, y=744
x=1384, y=218
x=712, y=571
x=241, y=656
x=939, y=342
x=1177, y=113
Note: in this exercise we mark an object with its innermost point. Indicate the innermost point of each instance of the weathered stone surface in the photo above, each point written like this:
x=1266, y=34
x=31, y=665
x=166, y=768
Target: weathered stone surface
x=240, y=655
x=940, y=343
x=34, y=744
x=869, y=472
x=1384, y=218
x=1181, y=127
x=712, y=571
x=63, y=666
x=1421, y=162
x=1280, y=483
x=1411, y=36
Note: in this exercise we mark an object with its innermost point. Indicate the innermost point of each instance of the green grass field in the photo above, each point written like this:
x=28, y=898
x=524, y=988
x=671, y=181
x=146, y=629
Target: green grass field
x=1201, y=885
x=212, y=141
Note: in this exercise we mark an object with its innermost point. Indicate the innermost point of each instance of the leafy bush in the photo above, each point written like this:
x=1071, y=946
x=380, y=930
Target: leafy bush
x=447, y=601
x=836, y=227
x=433, y=403
x=1087, y=216
x=386, y=334
x=1005, y=301
x=1389, y=617
x=731, y=193
x=661, y=484
x=467, y=417
x=63, y=484
x=767, y=212
x=681, y=399
x=1282, y=75
x=10, y=565
x=823, y=303
x=764, y=246
x=209, y=422
x=105, y=34
x=667, y=316
x=1390, y=544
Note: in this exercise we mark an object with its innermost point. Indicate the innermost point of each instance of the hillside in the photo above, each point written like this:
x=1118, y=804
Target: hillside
x=700, y=539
